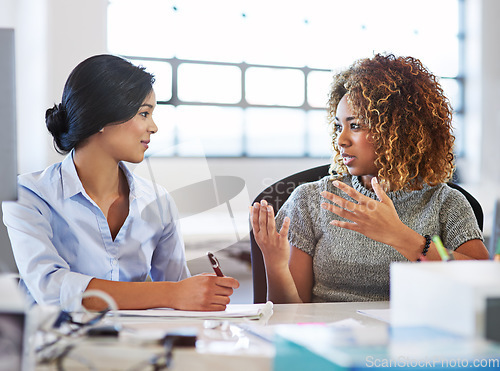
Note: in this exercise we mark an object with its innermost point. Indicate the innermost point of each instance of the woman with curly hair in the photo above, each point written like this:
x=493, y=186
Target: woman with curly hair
x=385, y=197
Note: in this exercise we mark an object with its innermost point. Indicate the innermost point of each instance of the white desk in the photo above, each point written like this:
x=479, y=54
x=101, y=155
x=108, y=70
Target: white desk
x=324, y=312
x=223, y=348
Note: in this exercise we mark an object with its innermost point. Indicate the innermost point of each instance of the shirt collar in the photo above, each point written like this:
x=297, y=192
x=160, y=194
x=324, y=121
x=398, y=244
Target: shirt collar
x=135, y=191
x=72, y=185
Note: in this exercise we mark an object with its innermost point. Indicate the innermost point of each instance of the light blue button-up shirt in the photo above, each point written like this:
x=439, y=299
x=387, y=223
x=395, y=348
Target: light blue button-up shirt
x=61, y=238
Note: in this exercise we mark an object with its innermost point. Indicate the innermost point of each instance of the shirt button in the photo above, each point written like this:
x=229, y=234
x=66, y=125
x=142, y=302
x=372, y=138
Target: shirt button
x=114, y=262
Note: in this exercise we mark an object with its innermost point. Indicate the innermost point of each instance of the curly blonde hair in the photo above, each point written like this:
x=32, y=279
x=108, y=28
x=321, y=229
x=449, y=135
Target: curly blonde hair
x=408, y=119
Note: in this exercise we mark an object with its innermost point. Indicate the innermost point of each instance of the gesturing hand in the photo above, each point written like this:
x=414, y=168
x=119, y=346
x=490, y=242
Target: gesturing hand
x=377, y=220
x=274, y=246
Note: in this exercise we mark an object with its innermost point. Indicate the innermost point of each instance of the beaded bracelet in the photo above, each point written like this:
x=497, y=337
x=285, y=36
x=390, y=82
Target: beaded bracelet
x=426, y=247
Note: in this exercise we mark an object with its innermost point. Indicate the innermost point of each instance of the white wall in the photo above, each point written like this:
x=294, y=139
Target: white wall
x=481, y=168
x=54, y=35
x=490, y=90
x=51, y=37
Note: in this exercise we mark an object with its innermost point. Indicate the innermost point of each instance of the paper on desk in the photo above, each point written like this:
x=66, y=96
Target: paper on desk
x=380, y=314
x=233, y=311
x=346, y=323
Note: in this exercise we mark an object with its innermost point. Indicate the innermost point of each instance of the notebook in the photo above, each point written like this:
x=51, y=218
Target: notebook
x=233, y=311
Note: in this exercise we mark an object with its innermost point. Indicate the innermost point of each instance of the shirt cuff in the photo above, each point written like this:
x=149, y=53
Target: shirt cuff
x=72, y=288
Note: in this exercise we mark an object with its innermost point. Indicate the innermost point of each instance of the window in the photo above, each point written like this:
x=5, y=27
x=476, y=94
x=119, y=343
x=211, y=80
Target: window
x=251, y=78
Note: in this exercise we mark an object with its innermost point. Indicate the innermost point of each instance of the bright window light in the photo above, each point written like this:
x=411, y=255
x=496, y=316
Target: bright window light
x=209, y=83
x=318, y=84
x=280, y=87
x=163, y=78
x=218, y=129
x=232, y=70
x=275, y=132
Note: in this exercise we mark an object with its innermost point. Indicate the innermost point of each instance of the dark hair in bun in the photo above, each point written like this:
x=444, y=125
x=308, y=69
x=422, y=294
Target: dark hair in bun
x=101, y=90
x=57, y=123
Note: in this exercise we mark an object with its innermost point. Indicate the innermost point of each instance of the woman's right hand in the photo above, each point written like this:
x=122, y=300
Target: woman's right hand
x=274, y=246
x=205, y=292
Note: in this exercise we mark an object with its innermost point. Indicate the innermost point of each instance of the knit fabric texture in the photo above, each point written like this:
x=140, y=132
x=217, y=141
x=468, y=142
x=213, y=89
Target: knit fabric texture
x=349, y=266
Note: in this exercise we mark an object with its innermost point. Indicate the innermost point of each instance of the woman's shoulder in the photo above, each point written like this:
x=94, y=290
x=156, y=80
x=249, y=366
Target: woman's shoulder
x=446, y=192
x=444, y=197
x=39, y=188
x=48, y=178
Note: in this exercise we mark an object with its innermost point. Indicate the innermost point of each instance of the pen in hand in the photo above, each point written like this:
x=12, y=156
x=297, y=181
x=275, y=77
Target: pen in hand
x=215, y=264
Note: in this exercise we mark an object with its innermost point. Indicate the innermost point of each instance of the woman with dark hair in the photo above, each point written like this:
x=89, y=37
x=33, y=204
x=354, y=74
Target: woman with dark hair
x=392, y=141
x=88, y=222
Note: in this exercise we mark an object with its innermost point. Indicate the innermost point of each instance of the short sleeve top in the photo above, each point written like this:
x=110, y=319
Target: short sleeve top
x=349, y=266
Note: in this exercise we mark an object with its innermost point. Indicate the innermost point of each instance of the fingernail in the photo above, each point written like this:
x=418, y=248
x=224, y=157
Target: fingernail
x=335, y=183
x=375, y=180
x=263, y=203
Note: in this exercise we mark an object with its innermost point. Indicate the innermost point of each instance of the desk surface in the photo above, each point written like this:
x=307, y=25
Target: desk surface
x=324, y=312
x=223, y=347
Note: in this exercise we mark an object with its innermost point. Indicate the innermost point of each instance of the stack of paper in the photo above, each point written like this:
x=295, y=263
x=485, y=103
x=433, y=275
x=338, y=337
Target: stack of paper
x=233, y=311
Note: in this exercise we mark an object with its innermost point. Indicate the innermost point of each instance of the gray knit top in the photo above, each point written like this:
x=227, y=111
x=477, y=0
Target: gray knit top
x=349, y=266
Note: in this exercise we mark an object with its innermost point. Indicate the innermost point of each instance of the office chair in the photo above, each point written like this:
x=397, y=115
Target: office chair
x=476, y=206
x=276, y=195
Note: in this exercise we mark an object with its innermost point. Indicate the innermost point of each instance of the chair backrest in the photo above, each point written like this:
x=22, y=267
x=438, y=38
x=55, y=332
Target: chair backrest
x=476, y=206
x=276, y=194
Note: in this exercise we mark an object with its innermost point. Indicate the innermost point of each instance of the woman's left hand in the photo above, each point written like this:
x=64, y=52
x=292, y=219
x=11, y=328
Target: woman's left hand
x=377, y=220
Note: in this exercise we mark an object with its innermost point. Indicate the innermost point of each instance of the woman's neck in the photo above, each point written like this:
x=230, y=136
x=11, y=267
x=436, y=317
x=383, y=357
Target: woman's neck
x=101, y=176
x=366, y=180
x=105, y=183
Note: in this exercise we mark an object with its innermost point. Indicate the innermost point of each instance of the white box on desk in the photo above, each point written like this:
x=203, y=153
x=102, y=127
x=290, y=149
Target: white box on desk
x=445, y=295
